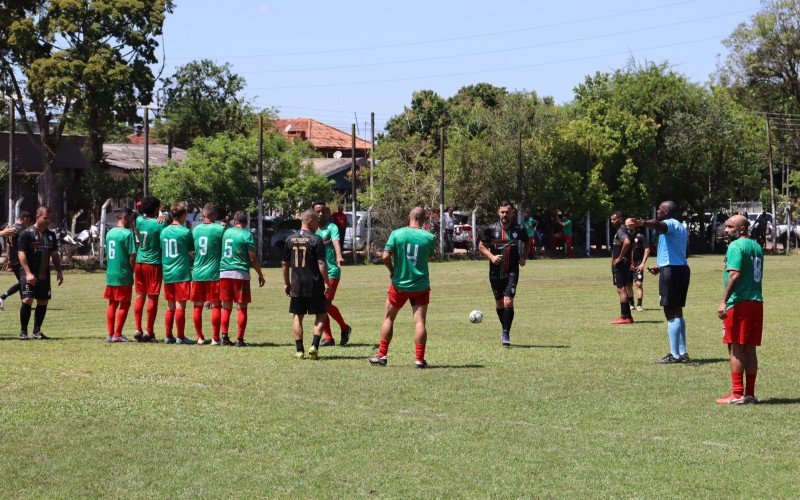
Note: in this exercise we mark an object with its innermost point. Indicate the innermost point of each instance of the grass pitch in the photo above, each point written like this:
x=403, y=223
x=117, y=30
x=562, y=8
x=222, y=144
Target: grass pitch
x=576, y=408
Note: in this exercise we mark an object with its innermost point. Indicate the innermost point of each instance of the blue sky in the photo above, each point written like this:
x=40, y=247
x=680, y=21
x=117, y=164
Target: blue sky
x=333, y=61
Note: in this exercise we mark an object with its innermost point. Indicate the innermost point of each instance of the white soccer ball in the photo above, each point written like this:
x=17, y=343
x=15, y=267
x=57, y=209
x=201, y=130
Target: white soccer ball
x=475, y=316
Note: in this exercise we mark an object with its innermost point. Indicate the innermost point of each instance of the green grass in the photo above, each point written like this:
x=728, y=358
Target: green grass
x=576, y=408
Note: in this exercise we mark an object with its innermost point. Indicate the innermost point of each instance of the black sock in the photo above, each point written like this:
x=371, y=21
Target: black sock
x=11, y=291
x=38, y=317
x=630, y=302
x=299, y=346
x=639, y=302
x=625, y=309
x=500, y=314
x=315, y=340
x=508, y=318
x=24, y=316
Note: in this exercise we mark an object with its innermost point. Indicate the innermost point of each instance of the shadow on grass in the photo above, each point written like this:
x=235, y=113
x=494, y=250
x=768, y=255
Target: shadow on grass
x=453, y=367
x=324, y=357
x=536, y=346
x=353, y=344
x=643, y=321
x=268, y=344
x=780, y=401
x=707, y=361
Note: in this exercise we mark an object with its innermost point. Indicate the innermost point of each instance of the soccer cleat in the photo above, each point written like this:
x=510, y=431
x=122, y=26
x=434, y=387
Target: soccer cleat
x=750, y=400
x=622, y=321
x=215, y=342
x=121, y=338
x=669, y=359
x=299, y=355
x=138, y=336
x=2, y=304
x=732, y=399
x=313, y=353
x=225, y=340
x=378, y=361
x=40, y=336
x=684, y=358
x=109, y=338
x=201, y=341
x=639, y=308
x=421, y=364
x=169, y=340
x=23, y=336
x=327, y=342
x=345, y=338
x=505, y=338
x=240, y=343
x=183, y=341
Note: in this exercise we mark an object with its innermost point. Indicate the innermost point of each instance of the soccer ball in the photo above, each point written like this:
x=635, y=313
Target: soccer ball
x=475, y=316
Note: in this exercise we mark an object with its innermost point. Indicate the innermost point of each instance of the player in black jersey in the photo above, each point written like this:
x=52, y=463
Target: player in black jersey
x=621, y=267
x=504, y=244
x=640, y=251
x=37, y=246
x=305, y=258
x=12, y=233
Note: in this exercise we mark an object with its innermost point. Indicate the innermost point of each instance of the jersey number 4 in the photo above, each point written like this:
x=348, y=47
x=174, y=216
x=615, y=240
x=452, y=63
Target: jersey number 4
x=412, y=256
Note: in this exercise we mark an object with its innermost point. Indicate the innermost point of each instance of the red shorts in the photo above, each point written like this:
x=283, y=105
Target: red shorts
x=398, y=298
x=177, y=292
x=744, y=323
x=233, y=290
x=119, y=293
x=147, y=278
x=334, y=285
x=205, y=291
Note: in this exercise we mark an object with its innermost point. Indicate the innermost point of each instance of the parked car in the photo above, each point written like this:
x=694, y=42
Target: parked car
x=279, y=230
x=362, y=219
x=462, y=230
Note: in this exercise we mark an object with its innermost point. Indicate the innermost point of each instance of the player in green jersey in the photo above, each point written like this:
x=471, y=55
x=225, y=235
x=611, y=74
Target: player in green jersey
x=177, y=246
x=406, y=256
x=238, y=255
x=121, y=258
x=147, y=273
x=329, y=232
x=742, y=309
x=205, y=274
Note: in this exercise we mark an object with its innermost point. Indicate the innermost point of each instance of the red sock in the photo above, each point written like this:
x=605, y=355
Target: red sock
x=216, y=319
x=419, y=351
x=138, y=309
x=197, y=318
x=751, y=384
x=334, y=313
x=110, y=314
x=122, y=315
x=226, y=320
x=737, y=384
x=383, y=348
x=169, y=315
x=241, y=321
x=180, y=321
x=152, y=310
x=326, y=328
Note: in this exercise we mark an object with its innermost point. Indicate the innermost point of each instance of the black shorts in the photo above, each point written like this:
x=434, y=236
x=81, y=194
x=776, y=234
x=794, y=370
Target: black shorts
x=673, y=285
x=504, y=287
x=308, y=305
x=39, y=291
x=637, y=275
x=621, y=274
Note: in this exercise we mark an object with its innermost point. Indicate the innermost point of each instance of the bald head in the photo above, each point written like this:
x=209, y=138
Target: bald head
x=736, y=227
x=416, y=217
x=667, y=208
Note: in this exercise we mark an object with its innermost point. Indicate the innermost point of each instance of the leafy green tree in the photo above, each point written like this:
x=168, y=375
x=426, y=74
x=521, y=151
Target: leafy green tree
x=291, y=181
x=425, y=117
x=203, y=99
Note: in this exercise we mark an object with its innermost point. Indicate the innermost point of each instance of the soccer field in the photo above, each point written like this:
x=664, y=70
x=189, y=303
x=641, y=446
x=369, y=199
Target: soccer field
x=576, y=408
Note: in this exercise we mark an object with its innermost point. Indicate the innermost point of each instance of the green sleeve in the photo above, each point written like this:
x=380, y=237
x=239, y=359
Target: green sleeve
x=190, y=241
x=389, y=247
x=130, y=243
x=250, y=242
x=333, y=229
x=734, y=258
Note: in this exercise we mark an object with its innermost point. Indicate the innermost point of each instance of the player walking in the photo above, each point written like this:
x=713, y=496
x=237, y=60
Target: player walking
x=329, y=232
x=37, y=246
x=621, y=267
x=238, y=255
x=640, y=252
x=504, y=244
x=406, y=256
x=121, y=254
x=176, y=260
x=742, y=309
x=674, y=275
x=147, y=273
x=205, y=273
x=12, y=234
x=304, y=262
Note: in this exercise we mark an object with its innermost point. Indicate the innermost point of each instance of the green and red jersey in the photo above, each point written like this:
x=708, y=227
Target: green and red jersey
x=236, y=245
x=120, y=245
x=329, y=234
x=149, y=230
x=747, y=257
x=411, y=247
x=176, y=243
x=208, y=251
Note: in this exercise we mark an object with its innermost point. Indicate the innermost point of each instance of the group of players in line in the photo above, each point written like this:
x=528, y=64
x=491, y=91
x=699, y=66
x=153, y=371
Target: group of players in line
x=210, y=264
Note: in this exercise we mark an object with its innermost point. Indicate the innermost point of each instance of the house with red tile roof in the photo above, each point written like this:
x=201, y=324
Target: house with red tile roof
x=326, y=140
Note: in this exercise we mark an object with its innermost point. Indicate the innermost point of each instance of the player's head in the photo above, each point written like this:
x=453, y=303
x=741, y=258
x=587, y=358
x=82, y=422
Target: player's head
x=736, y=227
x=178, y=210
x=340, y=209
x=317, y=203
x=310, y=220
x=43, y=216
x=616, y=218
x=666, y=210
x=630, y=223
x=322, y=210
x=126, y=219
x=416, y=217
x=150, y=206
x=506, y=211
x=24, y=218
x=210, y=212
x=240, y=219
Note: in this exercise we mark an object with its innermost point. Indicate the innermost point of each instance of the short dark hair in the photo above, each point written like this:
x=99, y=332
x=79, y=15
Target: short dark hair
x=617, y=213
x=318, y=202
x=24, y=214
x=505, y=203
x=150, y=205
x=179, y=209
x=240, y=217
x=210, y=210
x=44, y=209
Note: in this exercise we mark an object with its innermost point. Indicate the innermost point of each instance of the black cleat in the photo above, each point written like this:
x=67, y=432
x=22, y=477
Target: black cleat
x=421, y=364
x=138, y=337
x=23, y=336
x=378, y=361
x=40, y=336
x=225, y=341
x=240, y=343
x=684, y=358
x=169, y=340
x=345, y=338
x=328, y=343
x=669, y=359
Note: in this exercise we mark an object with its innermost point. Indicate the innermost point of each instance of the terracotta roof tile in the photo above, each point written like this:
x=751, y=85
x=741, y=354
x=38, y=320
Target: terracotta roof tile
x=320, y=135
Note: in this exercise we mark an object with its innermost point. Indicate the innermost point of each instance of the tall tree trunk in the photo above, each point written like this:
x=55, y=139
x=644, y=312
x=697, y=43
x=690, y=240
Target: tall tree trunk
x=47, y=190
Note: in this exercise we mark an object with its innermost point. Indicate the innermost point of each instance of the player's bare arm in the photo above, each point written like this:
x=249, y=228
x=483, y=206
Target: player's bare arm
x=9, y=231
x=57, y=264
x=23, y=261
x=495, y=259
x=255, y=264
x=644, y=260
x=338, y=248
x=387, y=261
x=733, y=279
x=287, y=284
x=626, y=244
x=323, y=269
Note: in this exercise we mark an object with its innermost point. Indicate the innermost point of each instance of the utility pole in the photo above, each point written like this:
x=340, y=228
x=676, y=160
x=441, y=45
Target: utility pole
x=10, y=161
x=771, y=186
x=146, y=177
x=353, y=171
x=260, y=188
x=372, y=156
x=441, y=192
x=520, y=215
